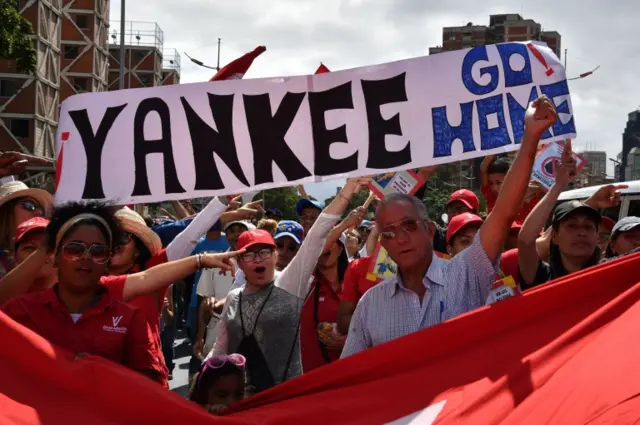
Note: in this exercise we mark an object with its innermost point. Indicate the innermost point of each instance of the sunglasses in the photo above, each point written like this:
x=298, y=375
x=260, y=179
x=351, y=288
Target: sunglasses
x=98, y=253
x=31, y=206
x=249, y=257
x=126, y=238
x=406, y=226
x=216, y=362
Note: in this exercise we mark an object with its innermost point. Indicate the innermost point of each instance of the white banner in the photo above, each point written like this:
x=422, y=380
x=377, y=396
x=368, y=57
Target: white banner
x=206, y=139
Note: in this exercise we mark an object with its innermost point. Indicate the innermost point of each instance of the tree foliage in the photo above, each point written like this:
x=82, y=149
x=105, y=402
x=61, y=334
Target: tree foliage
x=15, y=38
x=284, y=198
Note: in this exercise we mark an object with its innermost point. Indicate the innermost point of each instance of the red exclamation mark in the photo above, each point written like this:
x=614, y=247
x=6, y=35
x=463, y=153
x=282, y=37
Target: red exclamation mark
x=65, y=137
x=539, y=56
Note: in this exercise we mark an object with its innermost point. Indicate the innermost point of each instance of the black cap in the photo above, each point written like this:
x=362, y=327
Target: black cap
x=565, y=209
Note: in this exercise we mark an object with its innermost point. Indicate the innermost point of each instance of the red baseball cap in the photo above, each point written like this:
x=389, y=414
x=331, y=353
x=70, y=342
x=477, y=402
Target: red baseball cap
x=607, y=223
x=459, y=222
x=467, y=197
x=255, y=237
x=37, y=223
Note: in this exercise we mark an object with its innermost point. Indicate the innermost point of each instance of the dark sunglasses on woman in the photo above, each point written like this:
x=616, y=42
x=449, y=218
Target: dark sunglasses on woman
x=31, y=206
x=98, y=253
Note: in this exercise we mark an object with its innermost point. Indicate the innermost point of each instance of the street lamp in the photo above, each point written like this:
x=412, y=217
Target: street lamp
x=122, y=26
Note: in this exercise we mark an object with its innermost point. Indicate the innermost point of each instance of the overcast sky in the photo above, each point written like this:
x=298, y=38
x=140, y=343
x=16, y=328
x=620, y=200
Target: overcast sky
x=299, y=34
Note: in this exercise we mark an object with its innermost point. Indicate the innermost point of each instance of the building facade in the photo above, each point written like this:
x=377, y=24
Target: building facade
x=594, y=172
x=502, y=28
x=630, y=140
x=75, y=54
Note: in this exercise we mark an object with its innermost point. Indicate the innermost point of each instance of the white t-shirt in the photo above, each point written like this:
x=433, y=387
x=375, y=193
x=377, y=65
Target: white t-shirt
x=214, y=284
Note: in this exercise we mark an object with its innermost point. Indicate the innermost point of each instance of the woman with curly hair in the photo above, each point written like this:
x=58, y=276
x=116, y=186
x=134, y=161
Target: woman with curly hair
x=80, y=312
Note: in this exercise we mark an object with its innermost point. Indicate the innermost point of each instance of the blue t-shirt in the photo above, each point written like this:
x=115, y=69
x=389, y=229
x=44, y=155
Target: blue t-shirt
x=168, y=232
x=205, y=245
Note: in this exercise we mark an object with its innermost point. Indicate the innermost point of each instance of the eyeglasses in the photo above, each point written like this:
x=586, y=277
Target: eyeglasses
x=216, y=362
x=98, y=253
x=249, y=257
x=31, y=206
x=289, y=247
x=406, y=226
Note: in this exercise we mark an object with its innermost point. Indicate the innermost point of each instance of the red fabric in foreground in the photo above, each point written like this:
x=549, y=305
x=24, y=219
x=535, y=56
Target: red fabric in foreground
x=565, y=353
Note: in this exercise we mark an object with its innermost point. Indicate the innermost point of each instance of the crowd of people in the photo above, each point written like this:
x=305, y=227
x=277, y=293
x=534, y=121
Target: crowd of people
x=267, y=299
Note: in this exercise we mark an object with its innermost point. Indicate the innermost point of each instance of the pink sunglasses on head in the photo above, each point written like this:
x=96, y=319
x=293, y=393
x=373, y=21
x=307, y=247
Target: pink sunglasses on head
x=216, y=362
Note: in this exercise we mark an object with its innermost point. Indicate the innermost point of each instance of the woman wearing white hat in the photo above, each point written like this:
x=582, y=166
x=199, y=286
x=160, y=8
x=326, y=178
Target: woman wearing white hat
x=18, y=203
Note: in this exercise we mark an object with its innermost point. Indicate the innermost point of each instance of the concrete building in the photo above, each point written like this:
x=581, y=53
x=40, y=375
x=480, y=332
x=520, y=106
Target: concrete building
x=146, y=62
x=74, y=55
x=632, y=171
x=502, y=28
x=595, y=171
x=630, y=140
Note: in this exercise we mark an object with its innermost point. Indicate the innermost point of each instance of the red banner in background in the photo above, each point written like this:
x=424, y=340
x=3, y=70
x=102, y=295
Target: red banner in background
x=565, y=353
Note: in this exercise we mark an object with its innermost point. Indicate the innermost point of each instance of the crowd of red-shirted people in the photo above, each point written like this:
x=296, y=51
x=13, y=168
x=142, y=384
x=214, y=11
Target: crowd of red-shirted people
x=267, y=300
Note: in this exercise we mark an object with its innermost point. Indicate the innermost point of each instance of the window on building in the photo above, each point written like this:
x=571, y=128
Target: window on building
x=9, y=87
x=71, y=52
x=83, y=21
x=20, y=128
x=80, y=84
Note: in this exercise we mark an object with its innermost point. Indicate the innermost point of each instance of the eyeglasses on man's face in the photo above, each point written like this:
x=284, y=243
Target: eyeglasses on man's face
x=251, y=256
x=406, y=226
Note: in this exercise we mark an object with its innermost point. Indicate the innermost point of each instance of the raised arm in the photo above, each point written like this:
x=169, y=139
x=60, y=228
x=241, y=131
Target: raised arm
x=295, y=278
x=540, y=115
x=182, y=245
x=528, y=257
x=22, y=277
x=484, y=169
x=163, y=275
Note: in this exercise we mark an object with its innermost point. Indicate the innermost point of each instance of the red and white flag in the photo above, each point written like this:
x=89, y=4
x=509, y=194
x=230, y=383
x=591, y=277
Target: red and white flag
x=235, y=70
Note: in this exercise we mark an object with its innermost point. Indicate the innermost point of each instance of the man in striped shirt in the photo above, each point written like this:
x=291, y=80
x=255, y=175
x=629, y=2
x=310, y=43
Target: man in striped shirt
x=428, y=290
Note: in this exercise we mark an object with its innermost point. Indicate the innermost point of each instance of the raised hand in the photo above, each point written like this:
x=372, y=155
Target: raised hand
x=566, y=170
x=355, y=217
x=221, y=260
x=606, y=197
x=251, y=209
x=540, y=115
x=14, y=163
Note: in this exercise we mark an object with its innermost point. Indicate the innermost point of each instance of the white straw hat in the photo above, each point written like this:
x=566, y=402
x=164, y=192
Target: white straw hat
x=132, y=222
x=16, y=189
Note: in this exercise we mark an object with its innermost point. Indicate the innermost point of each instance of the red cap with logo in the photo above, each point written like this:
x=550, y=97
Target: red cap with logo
x=37, y=223
x=460, y=221
x=255, y=237
x=467, y=197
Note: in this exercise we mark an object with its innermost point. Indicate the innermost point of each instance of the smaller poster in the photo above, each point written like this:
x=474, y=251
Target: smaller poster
x=544, y=168
x=383, y=267
x=407, y=181
x=502, y=289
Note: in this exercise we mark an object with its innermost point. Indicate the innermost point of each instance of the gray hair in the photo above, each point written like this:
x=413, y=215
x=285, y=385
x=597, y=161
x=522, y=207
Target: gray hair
x=415, y=203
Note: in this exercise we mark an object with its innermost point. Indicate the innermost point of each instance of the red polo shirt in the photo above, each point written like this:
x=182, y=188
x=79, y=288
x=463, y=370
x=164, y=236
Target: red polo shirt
x=150, y=305
x=328, y=303
x=355, y=282
x=111, y=329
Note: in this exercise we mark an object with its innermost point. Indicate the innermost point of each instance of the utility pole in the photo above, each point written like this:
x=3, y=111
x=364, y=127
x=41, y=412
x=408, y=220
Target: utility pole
x=218, y=65
x=565, y=61
x=122, y=27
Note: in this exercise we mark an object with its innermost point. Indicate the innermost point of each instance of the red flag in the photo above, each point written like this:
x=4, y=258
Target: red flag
x=235, y=70
x=322, y=69
x=565, y=353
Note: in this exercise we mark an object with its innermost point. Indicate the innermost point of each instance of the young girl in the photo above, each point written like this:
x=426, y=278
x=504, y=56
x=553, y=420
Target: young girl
x=220, y=382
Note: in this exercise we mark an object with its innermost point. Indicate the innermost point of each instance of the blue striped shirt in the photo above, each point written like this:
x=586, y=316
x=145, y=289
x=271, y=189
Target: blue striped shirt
x=389, y=310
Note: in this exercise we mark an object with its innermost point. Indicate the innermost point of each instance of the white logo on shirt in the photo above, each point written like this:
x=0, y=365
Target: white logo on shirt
x=115, y=328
